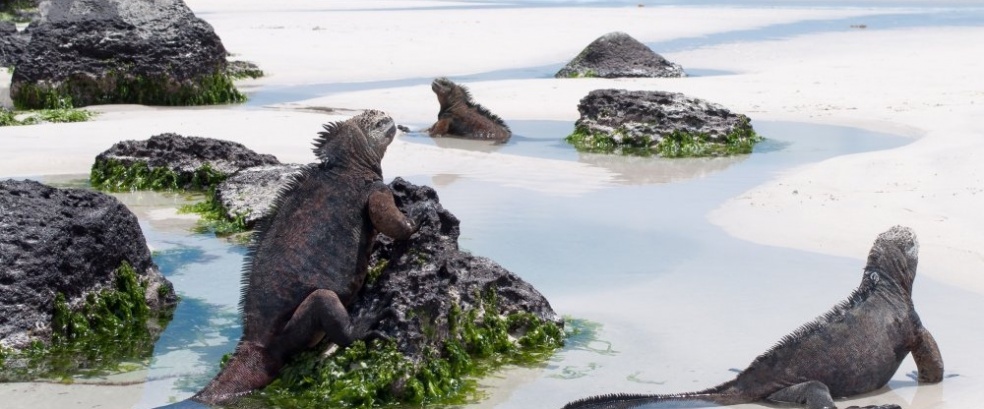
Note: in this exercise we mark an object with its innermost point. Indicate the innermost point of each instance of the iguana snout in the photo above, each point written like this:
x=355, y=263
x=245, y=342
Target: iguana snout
x=442, y=85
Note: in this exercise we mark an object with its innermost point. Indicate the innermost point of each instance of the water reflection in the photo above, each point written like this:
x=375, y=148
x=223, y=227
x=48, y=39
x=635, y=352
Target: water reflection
x=545, y=140
x=653, y=170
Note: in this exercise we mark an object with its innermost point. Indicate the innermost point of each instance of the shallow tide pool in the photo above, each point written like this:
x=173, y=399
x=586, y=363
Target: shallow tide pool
x=679, y=303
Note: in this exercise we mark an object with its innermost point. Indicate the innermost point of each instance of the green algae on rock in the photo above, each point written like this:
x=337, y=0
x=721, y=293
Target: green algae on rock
x=237, y=69
x=94, y=335
x=479, y=341
x=214, y=218
x=647, y=123
x=120, y=88
x=172, y=162
x=116, y=176
x=117, y=51
x=85, y=297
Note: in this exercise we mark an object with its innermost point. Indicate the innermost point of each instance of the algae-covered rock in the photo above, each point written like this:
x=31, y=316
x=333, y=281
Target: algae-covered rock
x=76, y=278
x=171, y=161
x=121, y=51
x=618, y=55
x=659, y=123
x=243, y=69
x=452, y=315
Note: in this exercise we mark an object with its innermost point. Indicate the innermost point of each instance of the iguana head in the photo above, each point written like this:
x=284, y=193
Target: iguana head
x=361, y=139
x=449, y=93
x=379, y=129
x=895, y=255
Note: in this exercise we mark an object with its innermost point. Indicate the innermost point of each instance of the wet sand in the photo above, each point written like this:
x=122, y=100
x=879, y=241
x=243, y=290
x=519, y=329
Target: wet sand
x=680, y=300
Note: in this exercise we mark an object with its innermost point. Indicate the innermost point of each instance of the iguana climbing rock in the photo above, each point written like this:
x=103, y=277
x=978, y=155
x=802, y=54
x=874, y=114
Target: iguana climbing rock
x=852, y=349
x=461, y=117
x=309, y=259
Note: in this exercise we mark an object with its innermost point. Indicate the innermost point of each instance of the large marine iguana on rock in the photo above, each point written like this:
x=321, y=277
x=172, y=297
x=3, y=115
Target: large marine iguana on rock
x=854, y=348
x=310, y=258
x=461, y=117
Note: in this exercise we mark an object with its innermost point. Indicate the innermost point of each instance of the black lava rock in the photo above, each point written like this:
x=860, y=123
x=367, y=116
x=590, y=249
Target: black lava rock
x=67, y=241
x=119, y=51
x=617, y=55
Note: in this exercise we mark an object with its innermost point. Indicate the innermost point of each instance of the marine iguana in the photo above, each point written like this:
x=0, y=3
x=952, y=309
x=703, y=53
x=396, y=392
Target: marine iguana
x=854, y=348
x=461, y=117
x=310, y=258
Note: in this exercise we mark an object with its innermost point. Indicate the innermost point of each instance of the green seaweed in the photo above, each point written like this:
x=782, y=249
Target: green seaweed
x=104, y=333
x=588, y=73
x=677, y=144
x=115, y=176
x=241, y=70
x=375, y=271
x=62, y=112
x=214, y=218
x=8, y=117
x=9, y=8
x=377, y=374
x=124, y=88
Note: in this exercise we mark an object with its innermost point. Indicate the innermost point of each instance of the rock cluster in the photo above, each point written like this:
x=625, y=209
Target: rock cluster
x=85, y=52
x=618, y=55
x=69, y=242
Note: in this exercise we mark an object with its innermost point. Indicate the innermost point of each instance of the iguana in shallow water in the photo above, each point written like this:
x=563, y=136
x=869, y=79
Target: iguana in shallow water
x=309, y=259
x=461, y=117
x=853, y=349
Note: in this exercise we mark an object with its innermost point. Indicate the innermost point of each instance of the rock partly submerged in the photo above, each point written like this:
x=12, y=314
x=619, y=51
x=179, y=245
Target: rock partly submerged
x=74, y=268
x=451, y=315
x=172, y=161
x=248, y=194
x=618, y=55
x=659, y=123
x=85, y=52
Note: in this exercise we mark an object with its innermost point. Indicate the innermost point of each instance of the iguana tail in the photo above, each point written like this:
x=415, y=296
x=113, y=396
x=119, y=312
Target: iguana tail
x=250, y=368
x=724, y=394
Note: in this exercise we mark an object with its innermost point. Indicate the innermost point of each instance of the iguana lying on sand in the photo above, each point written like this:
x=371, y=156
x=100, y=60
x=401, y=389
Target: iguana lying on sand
x=309, y=259
x=853, y=349
x=461, y=117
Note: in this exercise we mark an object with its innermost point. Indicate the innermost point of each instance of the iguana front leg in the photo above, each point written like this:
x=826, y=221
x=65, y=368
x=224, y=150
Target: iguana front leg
x=441, y=127
x=926, y=353
x=813, y=394
x=387, y=218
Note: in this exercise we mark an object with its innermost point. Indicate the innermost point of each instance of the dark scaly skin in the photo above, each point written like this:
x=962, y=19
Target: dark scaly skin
x=853, y=349
x=309, y=260
x=460, y=117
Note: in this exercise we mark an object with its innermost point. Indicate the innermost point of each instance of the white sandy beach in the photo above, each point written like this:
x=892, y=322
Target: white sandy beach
x=922, y=83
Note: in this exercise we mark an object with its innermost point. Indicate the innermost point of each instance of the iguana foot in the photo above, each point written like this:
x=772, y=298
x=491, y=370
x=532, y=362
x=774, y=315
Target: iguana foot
x=364, y=326
x=813, y=394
